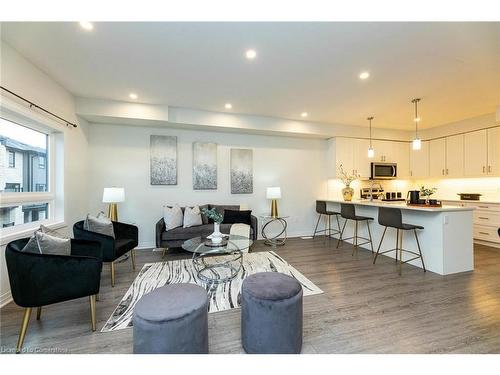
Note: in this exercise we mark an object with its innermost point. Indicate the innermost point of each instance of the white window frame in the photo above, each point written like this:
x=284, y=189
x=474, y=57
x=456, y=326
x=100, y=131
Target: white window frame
x=54, y=164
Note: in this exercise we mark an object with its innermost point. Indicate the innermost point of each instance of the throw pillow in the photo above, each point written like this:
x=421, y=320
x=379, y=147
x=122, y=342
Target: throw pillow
x=172, y=216
x=52, y=245
x=192, y=217
x=99, y=224
x=48, y=241
x=237, y=217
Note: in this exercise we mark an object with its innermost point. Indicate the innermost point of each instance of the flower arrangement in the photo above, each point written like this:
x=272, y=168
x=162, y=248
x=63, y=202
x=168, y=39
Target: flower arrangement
x=213, y=214
x=346, y=178
x=427, y=192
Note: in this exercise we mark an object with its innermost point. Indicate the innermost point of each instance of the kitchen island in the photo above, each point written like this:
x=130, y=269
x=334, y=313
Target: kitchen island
x=446, y=240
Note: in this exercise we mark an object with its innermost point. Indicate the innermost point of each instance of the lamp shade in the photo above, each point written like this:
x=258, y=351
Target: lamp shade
x=113, y=195
x=273, y=193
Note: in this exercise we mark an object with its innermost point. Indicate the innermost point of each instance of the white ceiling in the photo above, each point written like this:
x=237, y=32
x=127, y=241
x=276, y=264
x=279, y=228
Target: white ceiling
x=313, y=67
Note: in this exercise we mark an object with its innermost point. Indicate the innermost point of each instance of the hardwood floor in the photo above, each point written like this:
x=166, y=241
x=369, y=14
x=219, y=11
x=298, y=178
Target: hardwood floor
x=365, y=308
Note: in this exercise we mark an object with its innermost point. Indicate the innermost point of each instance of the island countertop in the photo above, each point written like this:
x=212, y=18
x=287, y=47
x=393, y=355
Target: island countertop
x=401, y=205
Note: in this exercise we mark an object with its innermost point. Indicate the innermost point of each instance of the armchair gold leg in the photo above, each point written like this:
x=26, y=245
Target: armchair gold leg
x=132, y=255
x=92, y=312
x=112, y=274
x=24, y=328
x=38, y=312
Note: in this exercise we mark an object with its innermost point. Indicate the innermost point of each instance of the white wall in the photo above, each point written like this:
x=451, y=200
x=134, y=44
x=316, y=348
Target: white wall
x=24, y=78
x=119, y=156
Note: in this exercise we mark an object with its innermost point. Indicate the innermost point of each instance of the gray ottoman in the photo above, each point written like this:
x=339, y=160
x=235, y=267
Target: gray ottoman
x=271, y=313
x=172, y=319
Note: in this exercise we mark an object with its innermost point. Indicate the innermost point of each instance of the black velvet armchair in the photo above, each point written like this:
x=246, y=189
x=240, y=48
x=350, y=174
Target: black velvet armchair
x=38, y=280
x=126, y=239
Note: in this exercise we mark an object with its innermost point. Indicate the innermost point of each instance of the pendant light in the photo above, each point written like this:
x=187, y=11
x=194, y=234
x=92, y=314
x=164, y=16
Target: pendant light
x=417, y=143
x=371, y=152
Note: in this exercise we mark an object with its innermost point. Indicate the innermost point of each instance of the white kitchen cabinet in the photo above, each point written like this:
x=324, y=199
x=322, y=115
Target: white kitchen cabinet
x=340, y=151
x=437, y=157
x=419, y=161
x=476, y=154
x=402, y=157
x=454, y=156
x=493, y=152
x=361, y=160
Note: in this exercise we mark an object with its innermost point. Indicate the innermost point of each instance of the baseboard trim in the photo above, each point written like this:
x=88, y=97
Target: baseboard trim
x=5, y=299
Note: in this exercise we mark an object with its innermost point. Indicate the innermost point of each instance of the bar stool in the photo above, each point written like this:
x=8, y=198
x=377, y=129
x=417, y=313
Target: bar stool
x=348, y=212
x=321, y=210
x=392, y=217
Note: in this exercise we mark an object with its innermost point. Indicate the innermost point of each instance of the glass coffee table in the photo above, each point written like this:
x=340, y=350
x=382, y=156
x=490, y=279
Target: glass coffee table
x=217, y=263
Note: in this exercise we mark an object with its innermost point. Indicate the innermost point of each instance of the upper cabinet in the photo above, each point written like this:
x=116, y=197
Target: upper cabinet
x=437, y=157
x=419, y=161
x=454, y=156
x=476, y=154
x=493, y=136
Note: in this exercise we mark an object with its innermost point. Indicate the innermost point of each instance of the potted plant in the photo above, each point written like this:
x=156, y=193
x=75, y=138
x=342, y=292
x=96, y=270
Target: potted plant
x=217, y=217
x=427, y=192
x=347, y=179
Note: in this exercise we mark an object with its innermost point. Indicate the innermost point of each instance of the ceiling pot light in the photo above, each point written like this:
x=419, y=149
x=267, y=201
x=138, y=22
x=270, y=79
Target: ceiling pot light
x=371, y=151
x=417, y=143
x=86, y=25
x=132, y=96
x=251, y=54
x=228, y=106
x=304, y=114
x=364, y=75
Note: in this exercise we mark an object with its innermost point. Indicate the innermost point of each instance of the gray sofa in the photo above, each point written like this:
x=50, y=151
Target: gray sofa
x=175, y=237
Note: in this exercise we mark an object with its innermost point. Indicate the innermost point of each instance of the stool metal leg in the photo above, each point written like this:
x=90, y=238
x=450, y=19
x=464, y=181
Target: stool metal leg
x=379, y=245
x=397, y=244
x=370, y=235
x=419, y=251
x=355, y=250
x=316, y=228
x=341, y=234
x=400, y=253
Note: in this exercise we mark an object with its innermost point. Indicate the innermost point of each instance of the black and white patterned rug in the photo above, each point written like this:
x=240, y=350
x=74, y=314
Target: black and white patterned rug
x=222, y=296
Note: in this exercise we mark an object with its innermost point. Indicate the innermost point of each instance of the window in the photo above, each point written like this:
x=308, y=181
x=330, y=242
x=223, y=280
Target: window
x=28, y=149
x=24, y=177
x=12, y=159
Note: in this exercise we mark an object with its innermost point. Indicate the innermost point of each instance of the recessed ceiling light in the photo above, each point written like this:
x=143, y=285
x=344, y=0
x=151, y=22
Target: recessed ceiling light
x=304, y=114
x=86, y=25
x=132, y=96
x=364, y=75
x=251, y=54
x=228, y=106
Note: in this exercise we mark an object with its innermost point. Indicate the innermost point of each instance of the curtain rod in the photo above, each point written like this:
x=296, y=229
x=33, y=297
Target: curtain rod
x=40, y=108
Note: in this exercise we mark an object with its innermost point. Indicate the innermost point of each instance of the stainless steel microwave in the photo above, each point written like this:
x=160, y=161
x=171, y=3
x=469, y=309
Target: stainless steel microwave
x=384, y=171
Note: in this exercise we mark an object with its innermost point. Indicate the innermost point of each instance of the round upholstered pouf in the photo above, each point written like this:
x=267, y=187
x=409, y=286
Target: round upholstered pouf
x=271, y=313
x=172, y=319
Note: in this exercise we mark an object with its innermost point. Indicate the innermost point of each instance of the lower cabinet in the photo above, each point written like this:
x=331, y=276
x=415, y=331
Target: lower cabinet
x=486, y=221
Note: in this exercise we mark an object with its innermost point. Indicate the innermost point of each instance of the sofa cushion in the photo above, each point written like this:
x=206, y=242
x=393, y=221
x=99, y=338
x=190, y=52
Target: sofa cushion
x=237, y=217
x=220, y=208
x=192, y=217
x=173, y=216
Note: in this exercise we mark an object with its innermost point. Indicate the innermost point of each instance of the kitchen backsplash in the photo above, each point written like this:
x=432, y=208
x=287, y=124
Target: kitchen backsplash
x=446, y=188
